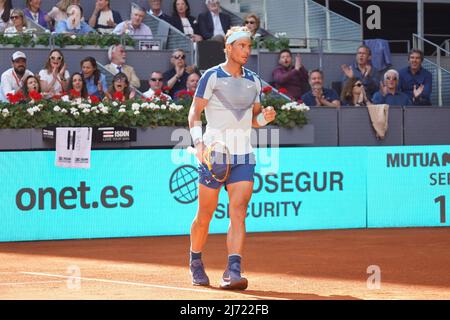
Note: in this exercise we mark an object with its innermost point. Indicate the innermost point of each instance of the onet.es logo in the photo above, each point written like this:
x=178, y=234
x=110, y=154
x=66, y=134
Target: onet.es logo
x=183, y=184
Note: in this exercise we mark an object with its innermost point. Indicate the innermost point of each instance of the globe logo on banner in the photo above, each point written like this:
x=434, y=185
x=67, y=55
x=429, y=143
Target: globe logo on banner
x=183, y=184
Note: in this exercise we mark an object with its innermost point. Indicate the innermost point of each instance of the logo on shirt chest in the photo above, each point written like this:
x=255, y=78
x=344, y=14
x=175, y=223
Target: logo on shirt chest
x=237, y=96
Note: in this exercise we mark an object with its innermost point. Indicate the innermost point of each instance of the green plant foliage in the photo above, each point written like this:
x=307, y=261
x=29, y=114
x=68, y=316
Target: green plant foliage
x=27, y=40
x=271, y=43
x=132, y=113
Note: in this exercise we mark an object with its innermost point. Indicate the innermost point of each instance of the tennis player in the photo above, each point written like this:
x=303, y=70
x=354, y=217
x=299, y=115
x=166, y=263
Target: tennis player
x=230, y=96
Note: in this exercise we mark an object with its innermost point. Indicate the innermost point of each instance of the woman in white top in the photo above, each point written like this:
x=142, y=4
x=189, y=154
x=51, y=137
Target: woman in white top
x=19, y=23
x=5, y=13
x=103, y=18
x=54, y=78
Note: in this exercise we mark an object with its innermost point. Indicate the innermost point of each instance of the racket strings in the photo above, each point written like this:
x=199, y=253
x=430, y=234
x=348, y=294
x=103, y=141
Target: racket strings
x=217, y=159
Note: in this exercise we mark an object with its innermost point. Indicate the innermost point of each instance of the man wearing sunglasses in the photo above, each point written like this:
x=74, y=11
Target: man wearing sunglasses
x=389, y=93
x=13, y=79
x=213, y=24
x=156, y=82
x=176, y=77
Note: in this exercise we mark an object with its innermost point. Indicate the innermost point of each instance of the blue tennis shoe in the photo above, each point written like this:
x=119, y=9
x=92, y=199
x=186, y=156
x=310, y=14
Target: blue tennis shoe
x=199, y=277
x=232, y=279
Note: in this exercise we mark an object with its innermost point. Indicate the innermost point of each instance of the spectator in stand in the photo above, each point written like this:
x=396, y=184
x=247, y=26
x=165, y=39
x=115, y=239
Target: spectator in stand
x=59, y=11
x=213, y=24
x=155, y=10
x=95, y=80
x=13, y=79
x=294, y=78
x=252, y=22
x=363, y=70
x=389, y=93
x=55, y=76
x=103, y=18
x=319, y=96
x=5, y=13
x=353, y=94
x=183, y=21
x=117, y=56
x=31, y=84
x=120, y=89
x=34, y=12
x=176, y=77
x=156, y=83
x=191, y=87
x=77, y=87
x=192, y=82
x=416, y=81
x=74, y=23
x=19, y=23
x=134, y=27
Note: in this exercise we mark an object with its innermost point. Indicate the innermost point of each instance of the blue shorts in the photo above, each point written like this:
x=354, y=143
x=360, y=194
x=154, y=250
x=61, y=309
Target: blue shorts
x=242, y=169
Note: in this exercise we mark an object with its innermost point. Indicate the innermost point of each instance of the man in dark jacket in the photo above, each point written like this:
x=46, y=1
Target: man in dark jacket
x=292, y=77
x=155, y=10
x=213, y=24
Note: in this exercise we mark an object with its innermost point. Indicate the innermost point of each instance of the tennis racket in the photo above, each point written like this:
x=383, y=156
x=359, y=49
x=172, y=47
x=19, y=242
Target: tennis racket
x=216, y=159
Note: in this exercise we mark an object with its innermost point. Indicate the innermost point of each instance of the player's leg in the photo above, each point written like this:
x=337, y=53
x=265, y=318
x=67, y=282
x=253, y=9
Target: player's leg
x=240, y=194
x=207, y=204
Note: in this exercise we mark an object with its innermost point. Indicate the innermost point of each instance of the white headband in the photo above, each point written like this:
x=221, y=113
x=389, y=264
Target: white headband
x=238, y=35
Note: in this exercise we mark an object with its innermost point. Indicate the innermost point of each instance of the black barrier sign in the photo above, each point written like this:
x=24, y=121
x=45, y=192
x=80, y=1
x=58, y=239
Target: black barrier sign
x=114, y=134
x=100, y=135
x=49, y=133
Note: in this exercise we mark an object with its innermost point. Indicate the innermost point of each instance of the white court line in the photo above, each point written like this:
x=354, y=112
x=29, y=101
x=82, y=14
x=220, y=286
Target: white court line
x=9, y=272
x=30, y=282
x=150, y=285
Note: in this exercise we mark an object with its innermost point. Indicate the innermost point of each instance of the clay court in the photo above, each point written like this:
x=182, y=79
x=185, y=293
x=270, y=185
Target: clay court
x=414, y=264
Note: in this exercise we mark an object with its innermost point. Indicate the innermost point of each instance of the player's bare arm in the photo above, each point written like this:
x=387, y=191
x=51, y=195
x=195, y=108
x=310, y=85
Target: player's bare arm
x=195, y=120
x=262, y=116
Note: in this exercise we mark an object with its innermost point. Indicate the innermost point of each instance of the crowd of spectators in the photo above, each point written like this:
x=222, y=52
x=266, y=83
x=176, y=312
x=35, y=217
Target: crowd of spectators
x=67, y=16
x=54, y=79
x=362, y=84
x=409, y=86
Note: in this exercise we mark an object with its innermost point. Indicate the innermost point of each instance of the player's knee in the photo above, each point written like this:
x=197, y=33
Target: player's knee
x=203, y=219
x=237, y=221
x=207, y=209
x=239, y=206
x=238, y=212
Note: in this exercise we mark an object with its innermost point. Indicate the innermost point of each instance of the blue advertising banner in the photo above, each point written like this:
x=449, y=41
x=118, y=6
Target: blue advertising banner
x=131, y=193
x=408, y=186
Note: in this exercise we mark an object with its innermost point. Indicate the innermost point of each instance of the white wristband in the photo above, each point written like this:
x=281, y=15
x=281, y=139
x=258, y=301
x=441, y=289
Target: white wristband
x=196, y=134
x=260, y=120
